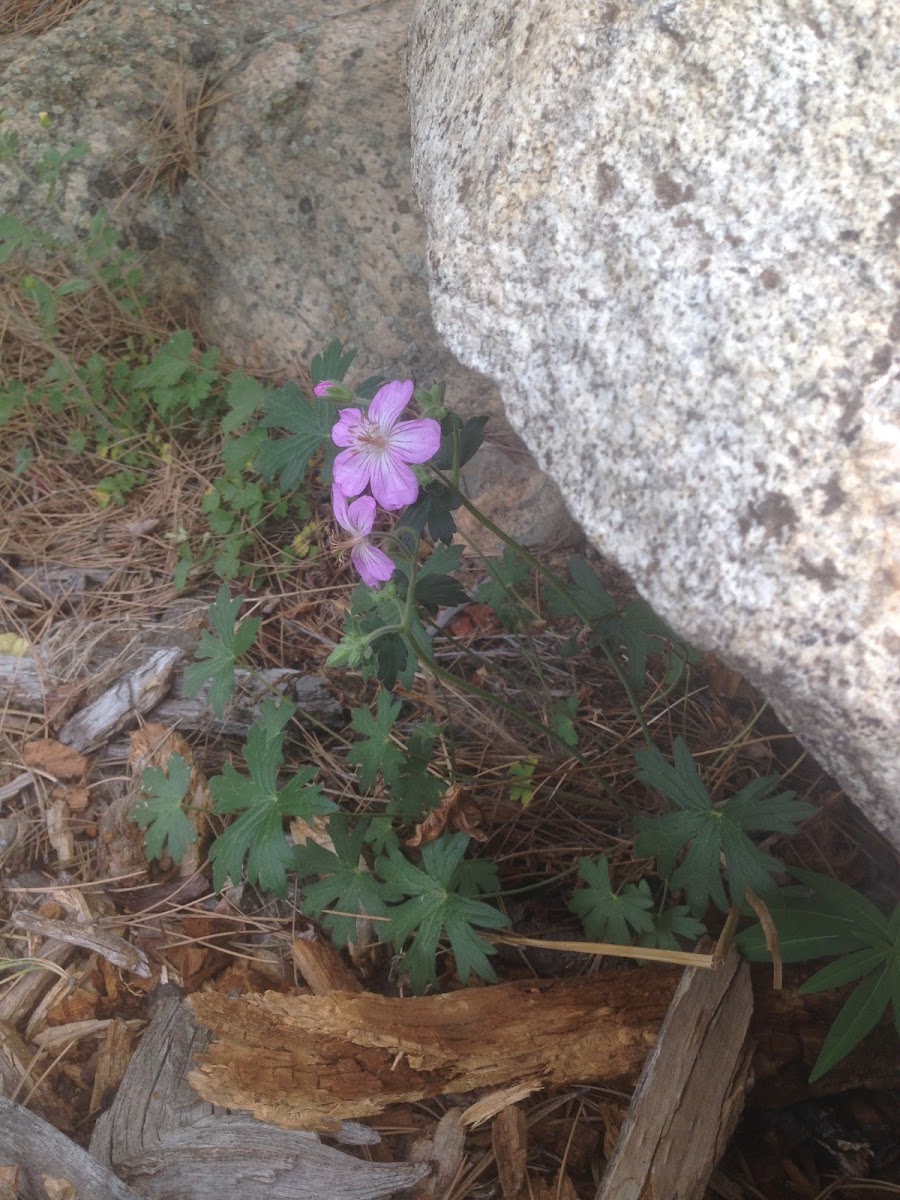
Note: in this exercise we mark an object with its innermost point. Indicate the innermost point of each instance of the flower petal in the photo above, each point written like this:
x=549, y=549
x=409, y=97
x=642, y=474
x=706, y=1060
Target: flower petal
x=351, y=471
x=362, y=516
x=393, y=483
x=389, y=402
x=416, y=441
x=346, y=431
x=321, y=389
x=341, y=512
x=373, y=564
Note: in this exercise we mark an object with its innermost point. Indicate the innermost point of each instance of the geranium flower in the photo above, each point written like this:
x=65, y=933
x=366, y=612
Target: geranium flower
x=377, y=448
x=357, y=518
x=321, y=389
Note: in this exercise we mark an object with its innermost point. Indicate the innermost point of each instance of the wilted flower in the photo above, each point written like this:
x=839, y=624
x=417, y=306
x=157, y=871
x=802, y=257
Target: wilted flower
x=358, y=517
x=378, y=449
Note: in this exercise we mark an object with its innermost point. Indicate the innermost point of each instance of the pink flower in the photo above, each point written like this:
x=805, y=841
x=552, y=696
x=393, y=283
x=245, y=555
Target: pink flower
x=378, y=449
x=357, y=518
x=321, y=389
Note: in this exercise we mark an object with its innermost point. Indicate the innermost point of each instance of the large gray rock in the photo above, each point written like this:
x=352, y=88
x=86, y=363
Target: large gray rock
x=667, y=230
x=297, y=221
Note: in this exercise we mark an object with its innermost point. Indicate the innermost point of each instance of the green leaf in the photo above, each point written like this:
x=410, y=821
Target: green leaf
x=439, y=591
x=437, y=907
x=847, y=969
x=244, y=397
x=671, y=924
x=858, y=1017
x=333, y=363
x=708, y=831
x=219, y=655
x=258, y=834
x=806, y=930
x=376, y=752
x=609, y=916
x=636, y=628
x=469, y=436
x=562, y=720
x=346, y=884
x=509, y=576
x=308, y=425
x=433, y=511
x=415, y=790
x=840, y=899
x=161, y=815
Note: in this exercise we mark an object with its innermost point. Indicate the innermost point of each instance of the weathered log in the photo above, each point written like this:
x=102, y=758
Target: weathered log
x=38, y=1149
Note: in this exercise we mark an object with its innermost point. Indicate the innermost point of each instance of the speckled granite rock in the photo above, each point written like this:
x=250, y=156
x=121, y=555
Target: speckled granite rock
x=668, y=231
x=302, y=224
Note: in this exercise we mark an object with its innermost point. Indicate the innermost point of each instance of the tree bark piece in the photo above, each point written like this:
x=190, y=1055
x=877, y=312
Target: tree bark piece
x=691, y=1092
x=321, y=965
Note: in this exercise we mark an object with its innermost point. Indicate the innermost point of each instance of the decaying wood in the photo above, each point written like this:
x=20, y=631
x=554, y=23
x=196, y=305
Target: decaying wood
x=38, y=1149
x=320, y=964
x=160, y=1136
x=26, y=685
x=154, y=1099
x=691, y=1092
x=89, y=937
x=307, y=1061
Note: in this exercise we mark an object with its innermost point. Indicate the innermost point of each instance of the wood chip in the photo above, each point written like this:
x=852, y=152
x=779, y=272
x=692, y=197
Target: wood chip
x=53, y=758
x=509, y=1141
x=449, y=1150
x=57, y=1036
x=17, y=1001
x=494, y=1102
x=60, y=832
x=112, y=1062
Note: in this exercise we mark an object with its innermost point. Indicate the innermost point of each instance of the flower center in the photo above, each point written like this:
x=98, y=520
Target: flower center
x=372, y=435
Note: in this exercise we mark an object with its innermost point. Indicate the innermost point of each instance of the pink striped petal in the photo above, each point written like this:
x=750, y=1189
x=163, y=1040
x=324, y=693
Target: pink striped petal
x=416, y=441
x=351, y=471
x=373, y=565
x=346, y=431
x=389, y=402
x=392, y=482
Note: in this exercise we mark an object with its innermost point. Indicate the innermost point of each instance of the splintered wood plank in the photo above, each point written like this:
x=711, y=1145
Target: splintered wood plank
x=691, y=1091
